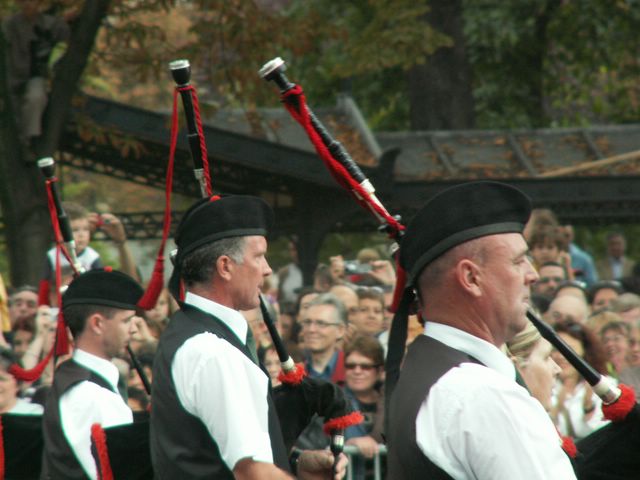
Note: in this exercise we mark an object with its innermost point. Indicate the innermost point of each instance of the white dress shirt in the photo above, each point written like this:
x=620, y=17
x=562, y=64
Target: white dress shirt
x=87, y=403
x=221, y=386
x=478, y=423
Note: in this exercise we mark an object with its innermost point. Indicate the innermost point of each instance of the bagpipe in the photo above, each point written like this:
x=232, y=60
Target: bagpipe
x=609, y=453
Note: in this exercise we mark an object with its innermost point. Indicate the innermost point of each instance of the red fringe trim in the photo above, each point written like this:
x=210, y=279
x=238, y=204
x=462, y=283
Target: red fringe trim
x=294, y=377
x=151, y=295
x=340, y=423
x=618, y=410
x=569, y=447
x=100, y=439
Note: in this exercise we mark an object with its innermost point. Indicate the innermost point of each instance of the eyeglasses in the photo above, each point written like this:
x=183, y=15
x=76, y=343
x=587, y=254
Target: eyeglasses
x=321, y=324
x=550, y=279
x=367, y=367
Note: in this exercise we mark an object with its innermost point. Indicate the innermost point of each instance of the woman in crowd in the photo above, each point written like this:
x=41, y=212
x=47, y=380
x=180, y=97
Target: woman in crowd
x=364, y=366
x=371, y=305
x=576, y=410
x=617, y=341
x=531, y=355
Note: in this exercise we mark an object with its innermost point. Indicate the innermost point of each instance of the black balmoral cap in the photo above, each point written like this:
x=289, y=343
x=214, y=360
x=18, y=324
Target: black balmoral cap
x=457, y=215
x=103, y=287
x=219, y=217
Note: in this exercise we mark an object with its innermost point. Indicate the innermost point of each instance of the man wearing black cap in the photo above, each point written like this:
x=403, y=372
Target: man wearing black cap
x=212, y=414
x=98, y=308
x=457, y=411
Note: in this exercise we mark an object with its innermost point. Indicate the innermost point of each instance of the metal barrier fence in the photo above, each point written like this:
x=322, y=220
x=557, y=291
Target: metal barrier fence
x=351, y=451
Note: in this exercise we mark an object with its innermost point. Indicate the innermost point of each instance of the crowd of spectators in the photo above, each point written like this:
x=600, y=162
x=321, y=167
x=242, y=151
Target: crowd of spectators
x=338, y=328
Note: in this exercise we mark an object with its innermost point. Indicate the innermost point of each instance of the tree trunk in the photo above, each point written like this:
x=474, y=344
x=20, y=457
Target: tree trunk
x=22, y=196
x=440, y=90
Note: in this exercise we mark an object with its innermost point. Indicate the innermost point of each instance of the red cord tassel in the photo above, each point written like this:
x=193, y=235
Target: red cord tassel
x=44, y=288
x=569, y=447
x=618, y=410
x=340, y=423
x=151, y=295
x=100, y=440
x=294, y=377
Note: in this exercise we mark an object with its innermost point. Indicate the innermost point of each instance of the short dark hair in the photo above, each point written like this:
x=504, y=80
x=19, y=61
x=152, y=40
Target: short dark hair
x=199, y=266
x=75, y=211
x=76, y=316
x=548, y=234
x=368, y=346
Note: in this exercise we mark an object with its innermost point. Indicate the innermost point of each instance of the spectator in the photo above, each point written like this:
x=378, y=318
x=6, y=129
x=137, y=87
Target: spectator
x=531, y=355
x=323, y=326
x=567, y=307
x=540, y=218
x=5, y=321
x=82, y=224
x=603, y=292
x=583, y=267
x=627, y=306
x=9, y=388
x=23, y=303
x=616, y=338
x=350, y=300
x=145, y=359
x=22, y=336
x=290, y=277
x=552, y=274
x=615, y=265
x=271, y=362
x=574, y=288
x=31, y=36
x=601, y=318
x=323, y=278
x=547, y=244
x=364, y=363
x=43, y=340
x=371, y=305
x=577, y=410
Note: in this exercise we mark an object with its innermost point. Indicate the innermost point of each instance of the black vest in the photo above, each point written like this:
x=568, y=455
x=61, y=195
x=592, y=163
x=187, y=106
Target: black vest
x=181, y=446
x=427, y=360
x=59, y=461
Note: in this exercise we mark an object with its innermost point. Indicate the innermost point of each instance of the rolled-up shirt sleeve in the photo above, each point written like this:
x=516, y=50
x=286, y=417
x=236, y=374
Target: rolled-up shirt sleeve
x=222, y=387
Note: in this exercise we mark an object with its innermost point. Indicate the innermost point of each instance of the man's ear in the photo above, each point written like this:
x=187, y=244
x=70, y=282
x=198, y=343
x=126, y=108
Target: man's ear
x=95, y=324
x=468, y=276
x=224, y=267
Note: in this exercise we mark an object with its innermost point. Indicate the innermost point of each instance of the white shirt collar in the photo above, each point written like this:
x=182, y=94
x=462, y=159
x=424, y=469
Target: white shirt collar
x=483, y=351
x=102, y=367
x=230, y=317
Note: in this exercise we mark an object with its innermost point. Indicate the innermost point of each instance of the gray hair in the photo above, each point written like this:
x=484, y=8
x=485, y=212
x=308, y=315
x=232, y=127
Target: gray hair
x=340, y=314
x=200, y=265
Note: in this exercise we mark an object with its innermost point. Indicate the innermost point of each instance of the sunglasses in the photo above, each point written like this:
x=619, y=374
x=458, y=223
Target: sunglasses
x=367, y=367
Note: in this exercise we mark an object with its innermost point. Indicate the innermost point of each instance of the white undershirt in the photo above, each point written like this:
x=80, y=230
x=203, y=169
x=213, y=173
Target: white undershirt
x=87, y=403
x=221, y=386
x=478, y=423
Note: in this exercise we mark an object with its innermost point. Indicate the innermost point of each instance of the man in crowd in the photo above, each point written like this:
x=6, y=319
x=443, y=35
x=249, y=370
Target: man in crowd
x=616, y=264
x=23, y=303
x=323, y=327
x=551, y=276
x=457, y=411
x=212, y=415
x=98, y=308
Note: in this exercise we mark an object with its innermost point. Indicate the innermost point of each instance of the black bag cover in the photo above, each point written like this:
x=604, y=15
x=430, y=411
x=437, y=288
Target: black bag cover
x=612, y=452
x=23, y=443
x=128, y=447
